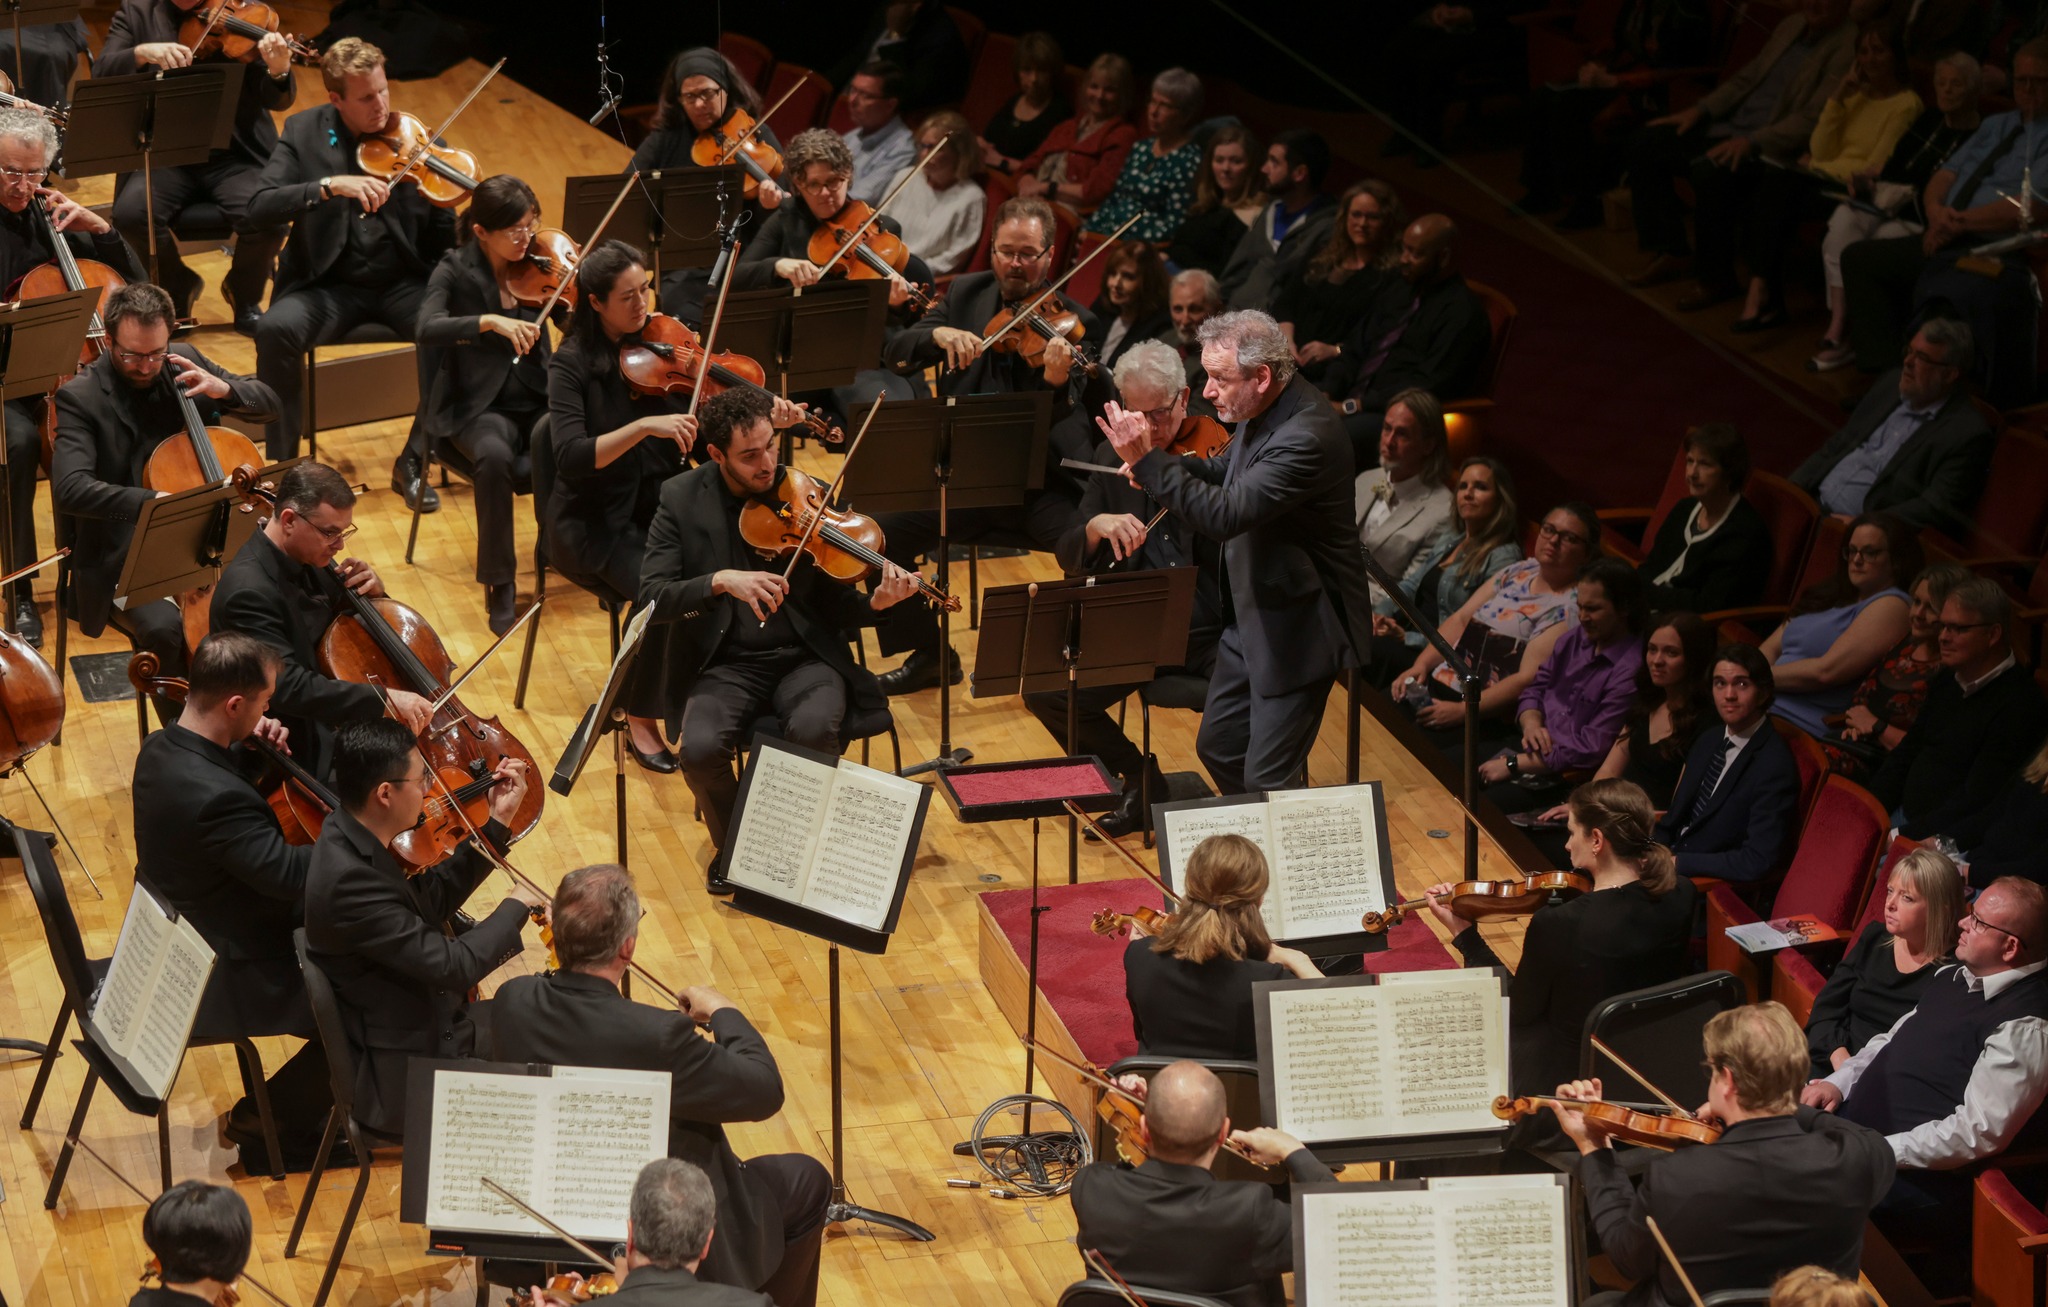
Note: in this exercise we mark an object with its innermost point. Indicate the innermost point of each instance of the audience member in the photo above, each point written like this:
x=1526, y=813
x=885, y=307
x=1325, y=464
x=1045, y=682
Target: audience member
x=1158, y=177
x=1916, y=447
x=1293, y=224
x=1465, y=552
x=1132, y=303
x=1815, y=1286
x=1192, y=298
x=1879, y=979
x=1713, y=550
x=1885, y=201
x=920, y=38
x=1040, y=104
x=1841, y=627
x=1768, y=108
x=1405, y=501
x=2005, y=836
x=1885, y=704
x=1319, y=299
x=1736, y=810
x=1080, y=159
x=1228, y=200
x=879, y=139
x=940, y=211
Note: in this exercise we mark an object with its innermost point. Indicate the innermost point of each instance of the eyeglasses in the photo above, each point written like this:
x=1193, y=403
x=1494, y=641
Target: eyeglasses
x=1163, y=412
x=131, y=359
x=1975, y=922
x=1868, y=553
x=1018, y=256
x=820, y=187
x=333, y=535
x=702, y=97
x=1549, y=532
x=1959, y=627
x=16, y=177
x=524, y=231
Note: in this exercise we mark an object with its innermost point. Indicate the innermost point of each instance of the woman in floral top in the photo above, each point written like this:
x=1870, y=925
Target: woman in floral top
x=1888, y=700
x=1158, y=180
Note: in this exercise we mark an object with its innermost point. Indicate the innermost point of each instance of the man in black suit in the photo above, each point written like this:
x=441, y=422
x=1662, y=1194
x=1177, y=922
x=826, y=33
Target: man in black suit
x=278, y=589
x=1281, y=502
x=1916, y=446
x=211, y=846
x=401, y=979
x=27, y=145
x=771, y=1210
x=1736, y=810
x=748, y=642
x=1784, y=1186
x=144, y=34
x=669, y=1233
x=360, y=250
x=1171, y=1224
x=199, y=1233
x=110, y=419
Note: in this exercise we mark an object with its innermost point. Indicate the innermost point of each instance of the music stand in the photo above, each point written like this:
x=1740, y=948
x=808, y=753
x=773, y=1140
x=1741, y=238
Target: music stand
x=807, y=339
x=40, y=13
x=182, y=541
x=674, y=216
x=40, y=341
x=122, y=123
x=602, y=718
x=961, y=451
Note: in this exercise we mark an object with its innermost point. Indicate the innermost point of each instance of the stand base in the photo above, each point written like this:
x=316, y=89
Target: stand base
x=837, y=1213
x=946, y=761
x=29, y=1046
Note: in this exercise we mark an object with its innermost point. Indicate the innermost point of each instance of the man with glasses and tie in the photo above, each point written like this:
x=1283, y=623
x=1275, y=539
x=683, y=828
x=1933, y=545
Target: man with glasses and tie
x=1958, y=1077
x=110, y=418
x=27, y=144
x=1737, y=805
x=279, y=588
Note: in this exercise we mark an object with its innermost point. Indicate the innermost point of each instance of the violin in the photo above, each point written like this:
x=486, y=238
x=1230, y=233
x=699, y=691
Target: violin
x=663, y=359
x=57, y=117
x=845, y=545
x=66, y=272
x=1148, y=921
x=548, y=272
x=1200, y=436
x=31, y=696
x=1122, y=1110
x=1051, y=318
x=1480, y=899
x=876, y=253
x=569, y=1288
x=737, y=139
x=405, y=151
x=231, y=29
x=186, y=461
x=1649, y=1129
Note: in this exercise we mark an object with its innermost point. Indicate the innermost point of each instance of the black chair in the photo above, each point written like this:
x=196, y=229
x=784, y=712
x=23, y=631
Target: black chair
x=1658, y=1031
x=341, y=1118
x=451, y=459
x=540, y=455
x=1240, y=1094
x=65, y=532
x=367, y=387
x=1101, y=1293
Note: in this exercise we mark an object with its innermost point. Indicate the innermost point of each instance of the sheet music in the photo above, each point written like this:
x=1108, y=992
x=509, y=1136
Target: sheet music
x=1328, y=1067
x=1508, y=1233
x=1183, y=828
x=869, y=820
x=1479, y=1241
x=777, y=833
x=484, y=1124
x=1373, y=1248
x=151, y=994
x=1325, y=856
x=1448, y=1046
x=603, y=1114
x=126, y=987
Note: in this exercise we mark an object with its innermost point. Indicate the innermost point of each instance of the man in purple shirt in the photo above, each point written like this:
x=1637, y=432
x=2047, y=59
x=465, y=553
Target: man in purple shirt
x=1576, y=705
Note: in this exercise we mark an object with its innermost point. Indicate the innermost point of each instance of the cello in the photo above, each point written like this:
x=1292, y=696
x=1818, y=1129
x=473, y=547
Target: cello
x=186, y=461
x=31, y=696
x=63, y=273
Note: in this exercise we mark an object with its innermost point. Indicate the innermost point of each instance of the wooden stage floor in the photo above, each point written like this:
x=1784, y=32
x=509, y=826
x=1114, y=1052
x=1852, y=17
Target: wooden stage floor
x=925, y=1050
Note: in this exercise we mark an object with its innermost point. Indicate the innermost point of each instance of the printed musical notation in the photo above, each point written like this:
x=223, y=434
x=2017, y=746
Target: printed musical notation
x=1495, y=1241
x=1322, y=848
x=774, y=843
x=832, y=839
x=151, y=994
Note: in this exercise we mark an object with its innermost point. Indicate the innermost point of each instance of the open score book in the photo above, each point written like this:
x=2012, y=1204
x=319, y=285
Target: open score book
x=1325, y=847
x=151, y=995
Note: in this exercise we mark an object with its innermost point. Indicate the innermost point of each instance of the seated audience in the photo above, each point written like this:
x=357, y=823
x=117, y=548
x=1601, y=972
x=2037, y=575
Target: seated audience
x=1190, y=989
x=921, y=39
x=1886, y=201
x=1319, y=300
x=1227, y=202
x=879, y=140
x=1170, y=1223
x=198, y=1236
x=1735, y=812
x=1132, y=303
x=1783, y=1185
x=1079, y=160
x=1885, y=704
x=1158, y=177
x=1040, y=104
x=1841, y=627
x=1769, y=108
x=1292, y=225
x=1474, y=545
x=1632, y=931
x=1916, y=446
x=1983, y=718
x=1714, y=549
x=1404, y=501
x=2005, y=836
x=940, y=210
x=1879, y=979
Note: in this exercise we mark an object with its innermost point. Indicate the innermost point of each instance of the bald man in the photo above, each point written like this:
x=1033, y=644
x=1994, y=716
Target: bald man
x=1429, y=331
x=1170, y=1224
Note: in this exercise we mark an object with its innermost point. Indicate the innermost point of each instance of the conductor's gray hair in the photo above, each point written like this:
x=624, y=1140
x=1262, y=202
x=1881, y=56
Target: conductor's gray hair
x=673, y=1211
x=32, y=128
x=1154, y=364
x=1253, y=338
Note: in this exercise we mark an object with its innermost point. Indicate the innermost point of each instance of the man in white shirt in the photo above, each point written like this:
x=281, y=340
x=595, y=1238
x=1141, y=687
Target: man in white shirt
x=880, y=140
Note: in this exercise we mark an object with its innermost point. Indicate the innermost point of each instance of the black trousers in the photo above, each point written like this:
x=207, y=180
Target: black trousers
x=806, y=696
x=496, y=446
x=1657, y=158
x=1041, y=521
x=320, y=315
x=227, y=181
x=158, y=627
x=24, y=454
x=1250, y=742
x=300, y=1096
x=803, y=1190
x=1877, y=282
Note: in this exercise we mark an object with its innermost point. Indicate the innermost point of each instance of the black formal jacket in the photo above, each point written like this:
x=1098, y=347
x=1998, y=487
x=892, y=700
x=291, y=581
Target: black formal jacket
x=402, y=983
x=651, y=1286
x=143, y=22
x=1164, y=1225
x=1959, y=752
x=315, y=144
x=694, y=536
x=1751, y=817
x=96, y=472
x=1936, y=476
x=158, y=1296
x=593, y=510
x=210, y=845
x=1726, y=570
x=287, y=606
x=572, y=1019
x=665, y=150
x=1773, y=1193
x=1190, y=1009
x=1281, y=500
x=1443, y=349
x=463, y=365
x=971, y=303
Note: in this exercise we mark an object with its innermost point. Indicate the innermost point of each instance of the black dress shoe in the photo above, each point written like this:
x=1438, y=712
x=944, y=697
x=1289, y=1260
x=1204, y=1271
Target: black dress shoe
x=28, y=623
x=663, y=761
x=244, y=317
x=920, y=671
x=184, y=291
x=1130, y=814
x=408, y=480
x=714, y=877
x=501, y=606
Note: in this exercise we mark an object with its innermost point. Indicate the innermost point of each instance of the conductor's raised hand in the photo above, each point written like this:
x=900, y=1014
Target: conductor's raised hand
x=1128, y=431
x=892, y=587
x=760, y=591
x=506, y=795
x=962, y=347
x=196, y=381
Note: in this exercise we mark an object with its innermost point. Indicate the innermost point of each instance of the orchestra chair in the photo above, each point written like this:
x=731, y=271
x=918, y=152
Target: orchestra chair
x=360, y=388
x=1562, y=37
x=1795, y=980
x=2009, y=1239
x=1240, y=1094
x=803, y=108
x=66, y=529
x=2008, y=527
x=2029, y=613
x=1658, y=1031
x=993, y=79
x=540, y=457
x=858, y=728
x=1465, y=418
x=341, y=1119
x=452, y=459
x=1646, y=520
x=754, y=60
x=1087, y=283
x=1092, y=1292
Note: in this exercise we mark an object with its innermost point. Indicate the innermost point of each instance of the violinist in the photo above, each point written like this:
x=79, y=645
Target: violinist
x=1110, y=533
x=1633, y=931
x=360, y=249
x=470, y=333
x=199, y=1234
x=671, y=1222
x=400, y=977
x=144, y=35
x=109, y=419
x=746, y=642
x=274, y=589
x=209, y=843
x=27, y=145
x=1170, y=1223
x=770, y=1210
x=1783, y=1186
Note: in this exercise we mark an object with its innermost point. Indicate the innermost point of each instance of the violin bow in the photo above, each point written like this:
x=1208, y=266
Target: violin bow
x=1096, y=1262
x=846, y=246
x=1601, y=1048
x=547, y=305
x=438, y=132
x=130, y=1186
x=535, y=1213
x=482, y=658
x=741, y=140
x=1676, y=1265
x=1053, y=289
x=1112, y=841
x=811, y=527
x=20, y=572
x=711, y=332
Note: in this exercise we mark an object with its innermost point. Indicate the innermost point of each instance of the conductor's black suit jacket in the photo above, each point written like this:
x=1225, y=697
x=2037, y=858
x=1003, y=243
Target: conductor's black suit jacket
x=569, y=1018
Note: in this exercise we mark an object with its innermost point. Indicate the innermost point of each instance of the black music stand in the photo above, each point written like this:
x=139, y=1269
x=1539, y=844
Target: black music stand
x=926, y=455
x=183, y=541
x=40, y=13
x=40, y=341
x=602, y=718
x=807, y=338
x=674, y=216
x=119, y=124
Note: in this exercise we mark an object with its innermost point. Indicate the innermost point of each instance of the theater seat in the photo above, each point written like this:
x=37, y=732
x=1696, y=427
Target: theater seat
x=754, y=60
x=2008, y=1238
x=801, y=110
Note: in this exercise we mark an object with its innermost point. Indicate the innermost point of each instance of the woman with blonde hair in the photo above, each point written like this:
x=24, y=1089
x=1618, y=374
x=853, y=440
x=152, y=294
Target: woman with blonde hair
x=1320, y=299
x=1879, y=979
x=1228, y=200
x=940, y=210
x=1190, y=988
x=1816, y=1286
x=1078, y=162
